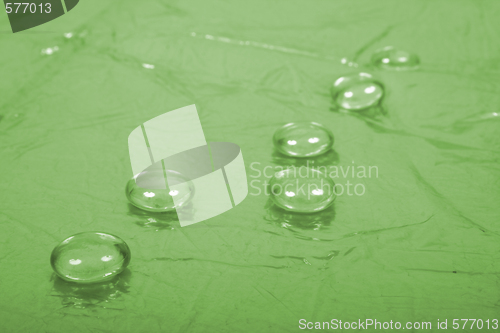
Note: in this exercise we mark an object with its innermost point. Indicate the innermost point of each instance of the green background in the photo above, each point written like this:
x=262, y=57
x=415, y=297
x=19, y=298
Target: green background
x=390, y=254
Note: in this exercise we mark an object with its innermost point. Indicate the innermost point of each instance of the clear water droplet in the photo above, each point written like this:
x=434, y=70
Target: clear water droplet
x=303, y=139
x=357, y=91
x=395, y=59
x=149, y=190
x=90, y=257
x=302, y=190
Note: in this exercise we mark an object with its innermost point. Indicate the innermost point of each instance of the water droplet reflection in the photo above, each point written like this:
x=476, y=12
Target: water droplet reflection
x=314, y=227
x=92, y=296
x=327, y=159
x=156, y=221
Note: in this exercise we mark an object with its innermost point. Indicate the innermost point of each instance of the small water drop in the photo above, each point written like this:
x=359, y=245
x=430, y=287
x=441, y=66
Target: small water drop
x=302, y=190
x=395, y=59
x=357, y=91
x=90, y=257
x=50, y=50
x=303, y=139
x=149, y=191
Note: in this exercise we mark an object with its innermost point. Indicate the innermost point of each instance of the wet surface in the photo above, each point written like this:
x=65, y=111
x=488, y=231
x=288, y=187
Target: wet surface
x=420, y=243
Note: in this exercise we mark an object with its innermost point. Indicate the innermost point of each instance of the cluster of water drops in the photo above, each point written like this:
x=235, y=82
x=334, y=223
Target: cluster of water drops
x=96, y=257
x=292, y=191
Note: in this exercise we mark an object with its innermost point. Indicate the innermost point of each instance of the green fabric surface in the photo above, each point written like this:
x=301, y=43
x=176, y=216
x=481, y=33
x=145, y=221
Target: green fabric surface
x=421, y=244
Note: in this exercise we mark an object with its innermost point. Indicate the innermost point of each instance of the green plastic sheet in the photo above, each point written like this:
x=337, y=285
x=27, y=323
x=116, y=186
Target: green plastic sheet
x=420, y=245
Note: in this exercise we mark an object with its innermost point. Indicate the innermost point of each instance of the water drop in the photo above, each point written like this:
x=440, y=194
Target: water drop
x=50, y=50
x=394, y=59
x=90, y=257
x=303, y=139
x=357, y=91
x=149, y=190
x=302, y=190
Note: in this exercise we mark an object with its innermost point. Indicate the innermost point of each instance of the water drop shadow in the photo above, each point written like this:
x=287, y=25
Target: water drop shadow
x=94, y=295
x=376, y=113
x=329, y=158
x=157, y=221
x=296, y=222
